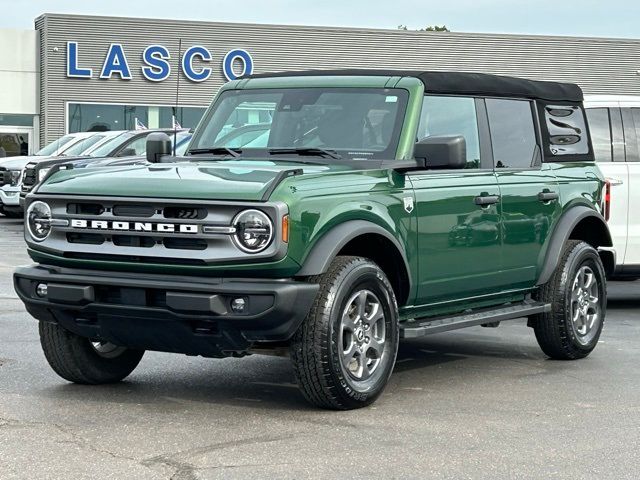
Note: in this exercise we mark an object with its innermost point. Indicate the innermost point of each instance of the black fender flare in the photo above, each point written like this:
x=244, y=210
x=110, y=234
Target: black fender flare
x=561, y=234
x=330, y=244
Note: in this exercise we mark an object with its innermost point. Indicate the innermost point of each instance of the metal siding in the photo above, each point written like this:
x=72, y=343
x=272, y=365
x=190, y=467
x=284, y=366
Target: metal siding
x=598, y=65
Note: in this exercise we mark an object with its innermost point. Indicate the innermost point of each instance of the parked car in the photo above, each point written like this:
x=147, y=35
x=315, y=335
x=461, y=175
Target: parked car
x=11, y=170
x=114, y=145
x=354, y=225
x=614, y=122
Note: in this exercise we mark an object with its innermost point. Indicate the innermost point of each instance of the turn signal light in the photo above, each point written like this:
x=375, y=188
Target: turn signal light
x=606, y=207
x=285, y=228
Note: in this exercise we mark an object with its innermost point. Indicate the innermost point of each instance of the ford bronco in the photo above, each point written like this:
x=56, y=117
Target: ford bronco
x=326, y=215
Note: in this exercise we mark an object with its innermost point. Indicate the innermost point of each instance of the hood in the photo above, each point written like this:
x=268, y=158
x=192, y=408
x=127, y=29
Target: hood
x=223, y=180
x=18, y=163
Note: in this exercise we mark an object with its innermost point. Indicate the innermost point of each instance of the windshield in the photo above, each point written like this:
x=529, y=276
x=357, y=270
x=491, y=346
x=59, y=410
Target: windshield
x=109, y=146
x=354, y=122
x=83, y=145
x=55, y=145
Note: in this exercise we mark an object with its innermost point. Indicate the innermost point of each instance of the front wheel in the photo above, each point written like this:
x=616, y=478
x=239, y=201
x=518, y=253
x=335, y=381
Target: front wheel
x=577, y=293
x=80, y=360
x=345, y=350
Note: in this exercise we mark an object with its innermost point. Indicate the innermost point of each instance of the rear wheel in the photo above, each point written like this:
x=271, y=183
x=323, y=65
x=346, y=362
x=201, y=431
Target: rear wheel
x=345, y=350
x=80, y=360
x=577, y=293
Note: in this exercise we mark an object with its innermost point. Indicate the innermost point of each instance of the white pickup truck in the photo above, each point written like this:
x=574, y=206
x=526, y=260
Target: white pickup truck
x=614, y=122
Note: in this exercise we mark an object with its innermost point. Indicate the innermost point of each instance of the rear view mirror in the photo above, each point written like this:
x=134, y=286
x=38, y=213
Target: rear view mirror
x=158, y=144
x=441, y=152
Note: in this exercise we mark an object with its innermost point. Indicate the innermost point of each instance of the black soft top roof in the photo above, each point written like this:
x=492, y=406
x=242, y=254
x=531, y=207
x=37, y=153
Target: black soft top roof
x=463, y=83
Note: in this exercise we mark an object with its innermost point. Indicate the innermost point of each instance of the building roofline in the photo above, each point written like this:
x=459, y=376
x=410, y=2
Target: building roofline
x=347, y=29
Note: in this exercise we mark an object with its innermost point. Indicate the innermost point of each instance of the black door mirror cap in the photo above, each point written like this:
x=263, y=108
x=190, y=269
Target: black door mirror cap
x=446, y=152
x=158, y=144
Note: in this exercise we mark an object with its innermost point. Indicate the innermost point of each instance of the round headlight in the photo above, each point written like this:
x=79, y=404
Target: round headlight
x=254, y=231
x=39, y=221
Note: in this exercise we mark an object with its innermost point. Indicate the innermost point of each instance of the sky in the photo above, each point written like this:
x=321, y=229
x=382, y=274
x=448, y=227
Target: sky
x=612, y=18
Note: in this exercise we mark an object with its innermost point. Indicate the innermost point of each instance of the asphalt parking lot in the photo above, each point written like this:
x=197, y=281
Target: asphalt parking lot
x=474, y=404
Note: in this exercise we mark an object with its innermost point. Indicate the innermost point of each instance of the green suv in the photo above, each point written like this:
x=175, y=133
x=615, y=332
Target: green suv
x=351, y=209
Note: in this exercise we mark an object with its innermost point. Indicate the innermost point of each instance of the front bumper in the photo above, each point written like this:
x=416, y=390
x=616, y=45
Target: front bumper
x=181, y=314
x=10, y=196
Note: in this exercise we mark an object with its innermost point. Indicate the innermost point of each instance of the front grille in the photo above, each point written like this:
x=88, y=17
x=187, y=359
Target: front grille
x=185, y=213
x=138, y=211
x=152, y=231
x=85, y=209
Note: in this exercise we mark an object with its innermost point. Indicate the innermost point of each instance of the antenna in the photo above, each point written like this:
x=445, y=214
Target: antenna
x=175, y=109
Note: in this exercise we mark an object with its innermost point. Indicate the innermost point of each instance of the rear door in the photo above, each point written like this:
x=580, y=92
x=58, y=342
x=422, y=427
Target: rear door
x=528, y=189
x=631, y=116
x=607, y=136
x=458, y=236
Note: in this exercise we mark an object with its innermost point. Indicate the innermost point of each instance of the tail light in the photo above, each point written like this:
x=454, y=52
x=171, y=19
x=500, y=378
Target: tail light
x=606, y=200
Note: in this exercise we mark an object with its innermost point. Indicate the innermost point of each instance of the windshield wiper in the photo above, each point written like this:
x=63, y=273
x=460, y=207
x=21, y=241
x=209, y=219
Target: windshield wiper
x=306, y=151
x=234, y=152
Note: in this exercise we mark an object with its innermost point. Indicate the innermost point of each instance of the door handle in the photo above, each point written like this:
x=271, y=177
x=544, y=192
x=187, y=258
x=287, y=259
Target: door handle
x=614, y=182
x=548, y=196
x=486, y=200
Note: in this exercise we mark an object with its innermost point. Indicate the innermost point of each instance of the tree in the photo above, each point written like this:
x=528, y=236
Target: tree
x=430, y=28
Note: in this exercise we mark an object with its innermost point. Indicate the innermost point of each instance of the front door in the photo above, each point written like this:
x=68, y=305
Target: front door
x=529, y=190
x=15, y=141
x=458, y=235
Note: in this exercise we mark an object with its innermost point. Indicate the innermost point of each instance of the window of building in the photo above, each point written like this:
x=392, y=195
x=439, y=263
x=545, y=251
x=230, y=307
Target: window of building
x=84, y=117
x=16, y=120
x=452, y=116
x=101, y=118
x=567, y=129
x=513, y=136
x=187, y=117
x=600, y=128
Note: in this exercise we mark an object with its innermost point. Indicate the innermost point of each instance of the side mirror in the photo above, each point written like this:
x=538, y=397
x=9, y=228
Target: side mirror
x=441, y=152
x=158, y=144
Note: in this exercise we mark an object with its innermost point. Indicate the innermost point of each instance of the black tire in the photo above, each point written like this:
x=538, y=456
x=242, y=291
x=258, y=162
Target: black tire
x=318, y=347
x=556, y=331
x=75, y=358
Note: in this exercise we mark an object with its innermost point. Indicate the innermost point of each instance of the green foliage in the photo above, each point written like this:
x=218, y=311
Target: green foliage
x=430, y=28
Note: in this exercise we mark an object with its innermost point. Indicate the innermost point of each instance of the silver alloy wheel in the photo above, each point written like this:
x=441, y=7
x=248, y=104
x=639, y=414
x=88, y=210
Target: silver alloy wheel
x=586, y=313
x=107, y=350
x=362, y=335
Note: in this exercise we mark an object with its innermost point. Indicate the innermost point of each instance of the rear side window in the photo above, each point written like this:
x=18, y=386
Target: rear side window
x=635, y=112
x=600, y=128
x=443, y=116
x=513, y=135
x=566, y=129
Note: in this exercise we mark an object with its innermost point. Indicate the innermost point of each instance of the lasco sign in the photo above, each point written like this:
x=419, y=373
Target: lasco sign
x=156, y=63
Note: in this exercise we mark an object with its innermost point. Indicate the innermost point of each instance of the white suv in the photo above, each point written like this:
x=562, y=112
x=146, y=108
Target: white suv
x=614, y=122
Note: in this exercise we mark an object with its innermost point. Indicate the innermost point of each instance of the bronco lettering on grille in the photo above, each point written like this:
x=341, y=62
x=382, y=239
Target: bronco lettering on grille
x=134, y=226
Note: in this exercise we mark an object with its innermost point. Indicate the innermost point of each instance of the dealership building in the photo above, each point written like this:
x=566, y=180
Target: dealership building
x=81, y=73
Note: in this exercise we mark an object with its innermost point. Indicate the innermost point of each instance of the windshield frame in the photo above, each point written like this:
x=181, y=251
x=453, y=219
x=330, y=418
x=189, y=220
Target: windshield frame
x=348, y=155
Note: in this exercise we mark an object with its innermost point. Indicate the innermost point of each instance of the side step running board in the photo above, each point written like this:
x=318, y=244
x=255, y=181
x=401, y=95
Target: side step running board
x=427, y=326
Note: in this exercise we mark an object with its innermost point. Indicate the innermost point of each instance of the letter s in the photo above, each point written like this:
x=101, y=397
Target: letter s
x=157, y=67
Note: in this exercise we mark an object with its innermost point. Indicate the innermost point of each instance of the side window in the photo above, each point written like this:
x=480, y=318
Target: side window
x=567, y=130
x=513, y=136
x=452, y=116
x=635, y=113
x=137, y=147
x=600, y=128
